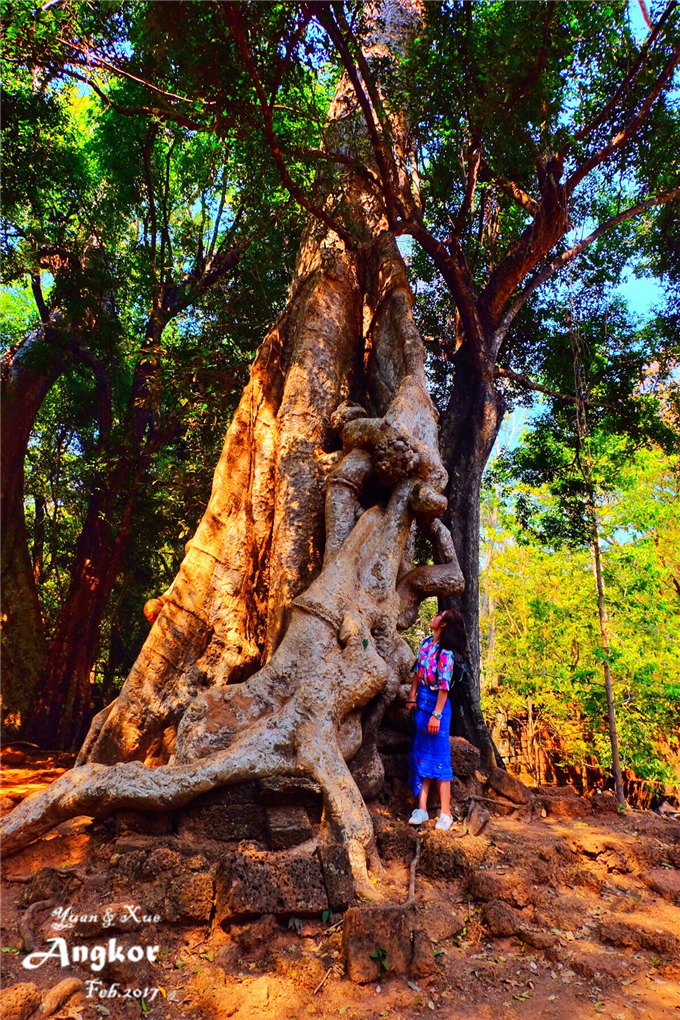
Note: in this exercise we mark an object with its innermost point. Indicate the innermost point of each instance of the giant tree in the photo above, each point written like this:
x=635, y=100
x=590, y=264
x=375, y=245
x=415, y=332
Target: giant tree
x=302, y=564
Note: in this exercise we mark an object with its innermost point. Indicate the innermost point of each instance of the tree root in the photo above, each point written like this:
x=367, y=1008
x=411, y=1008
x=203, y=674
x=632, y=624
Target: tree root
x=410, y=900
x=92, y=734
x=24, y=923
x=98, y=790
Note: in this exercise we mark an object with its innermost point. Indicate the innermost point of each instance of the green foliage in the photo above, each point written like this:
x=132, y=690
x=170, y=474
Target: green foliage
x=541, y=633
x=109, y=215
x=382, y=966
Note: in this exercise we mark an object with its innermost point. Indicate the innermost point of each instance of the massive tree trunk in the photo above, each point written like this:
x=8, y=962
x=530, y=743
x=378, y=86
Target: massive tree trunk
x=281, y=628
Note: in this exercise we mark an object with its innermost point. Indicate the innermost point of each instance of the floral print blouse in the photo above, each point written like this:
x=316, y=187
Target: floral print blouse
x=428, y=674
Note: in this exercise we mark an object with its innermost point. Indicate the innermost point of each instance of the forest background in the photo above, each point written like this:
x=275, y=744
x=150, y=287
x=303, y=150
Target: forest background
x=144, y=259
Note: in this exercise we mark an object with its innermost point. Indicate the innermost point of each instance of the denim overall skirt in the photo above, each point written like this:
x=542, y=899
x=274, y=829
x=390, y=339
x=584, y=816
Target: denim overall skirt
x=430, y=756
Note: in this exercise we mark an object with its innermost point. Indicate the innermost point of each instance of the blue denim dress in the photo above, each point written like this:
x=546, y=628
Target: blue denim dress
x=430, y=756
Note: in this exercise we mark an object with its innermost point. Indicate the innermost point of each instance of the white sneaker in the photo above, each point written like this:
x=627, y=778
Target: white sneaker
x=418, y=817
x=444, y=822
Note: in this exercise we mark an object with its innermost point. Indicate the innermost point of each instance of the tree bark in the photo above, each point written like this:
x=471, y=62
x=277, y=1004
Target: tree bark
x=27, y=377
x=62, y=707
x=470, y=426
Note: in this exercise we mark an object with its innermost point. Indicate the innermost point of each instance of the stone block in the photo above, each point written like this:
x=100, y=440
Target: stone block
x=465, y=757
x=287, y=826
x=445, y=857
x=620, y=933
x=190, y=899
x=375, y=930
x=19, y=1001
x=538, y=939
x=478, y=818
x=393, y=742
x=368, y=772
x=229, y=823
x=598, y=966
x=12, y=758
x=235, y=795
x=508, y=786
x=337, y=875
x=146, y=823
x=423, y=963
x=501, y=919
x=512, y=888
x=162, y=861
x=442, y=922
x=253, y=882
x=397, y=841
x=128, y=867
x=283, y=791
x=665, y=882
x=395, y=765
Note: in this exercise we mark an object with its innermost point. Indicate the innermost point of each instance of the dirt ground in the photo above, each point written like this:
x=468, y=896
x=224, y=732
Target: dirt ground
x=599, y=894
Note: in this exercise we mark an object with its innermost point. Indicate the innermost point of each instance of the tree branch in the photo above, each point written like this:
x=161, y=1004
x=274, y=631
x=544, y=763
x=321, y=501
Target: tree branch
x=148, y=178
x=94, y=61
x=570, y=254
x=509, y=188
x=456, y=274
x=626, y=133
x=535, y=69
x=232, y=18
x=136, y=111
x=36, y=287
x=627, y=81
x=223, y=196
x=528, y=384
x=474, y=160
x=281, y=69
x=329, y=156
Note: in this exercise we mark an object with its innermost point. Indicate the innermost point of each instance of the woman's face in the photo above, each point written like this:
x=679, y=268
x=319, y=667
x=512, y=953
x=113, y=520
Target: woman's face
x=437, y=624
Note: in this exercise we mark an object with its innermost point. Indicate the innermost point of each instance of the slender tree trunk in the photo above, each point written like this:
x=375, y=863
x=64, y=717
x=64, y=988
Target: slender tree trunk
x=62, y=709
x=470, y=426
x=606, y=648
x=586, y=466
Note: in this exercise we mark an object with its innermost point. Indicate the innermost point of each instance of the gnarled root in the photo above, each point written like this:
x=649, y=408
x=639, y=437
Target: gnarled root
x=98, y=790
x=93, y=732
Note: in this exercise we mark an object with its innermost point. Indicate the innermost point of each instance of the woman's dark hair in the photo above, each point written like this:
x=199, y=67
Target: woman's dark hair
x=453, y=636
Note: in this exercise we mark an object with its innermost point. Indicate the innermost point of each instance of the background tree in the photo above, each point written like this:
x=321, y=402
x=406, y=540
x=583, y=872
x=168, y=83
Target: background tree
x=578, y=448
x=133, y=248
x=546, y=649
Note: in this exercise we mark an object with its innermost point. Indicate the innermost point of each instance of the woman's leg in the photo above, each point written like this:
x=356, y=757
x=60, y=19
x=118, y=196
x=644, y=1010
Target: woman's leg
x=422, y=799
x=445, y=796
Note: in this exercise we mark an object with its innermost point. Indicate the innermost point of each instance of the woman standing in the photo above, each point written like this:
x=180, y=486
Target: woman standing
x=430, y=756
